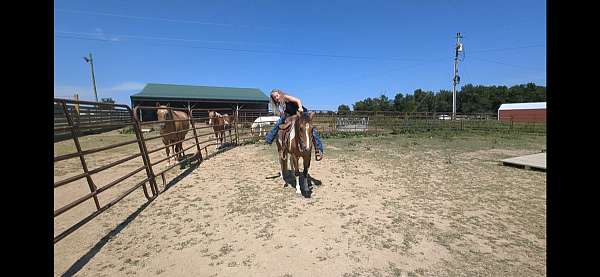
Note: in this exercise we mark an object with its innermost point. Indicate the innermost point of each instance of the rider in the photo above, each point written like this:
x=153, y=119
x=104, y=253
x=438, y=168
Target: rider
x=286, y=105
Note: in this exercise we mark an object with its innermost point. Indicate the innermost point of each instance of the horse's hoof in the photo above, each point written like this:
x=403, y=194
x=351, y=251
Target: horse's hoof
x=298, y=192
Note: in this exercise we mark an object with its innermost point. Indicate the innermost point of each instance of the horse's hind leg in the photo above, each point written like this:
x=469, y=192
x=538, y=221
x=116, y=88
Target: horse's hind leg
x=219, y=140
x=282, y=162
x=180, y=149
x=176, y=156
x=168, y=158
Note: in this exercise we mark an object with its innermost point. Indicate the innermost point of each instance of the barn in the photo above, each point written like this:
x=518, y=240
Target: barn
x=523, y=112
x=198, y=97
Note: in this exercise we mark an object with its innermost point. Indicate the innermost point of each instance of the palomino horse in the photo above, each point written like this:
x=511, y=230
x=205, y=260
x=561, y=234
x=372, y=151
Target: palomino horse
x=295, y=138
x=220, y=124
x=174, y=127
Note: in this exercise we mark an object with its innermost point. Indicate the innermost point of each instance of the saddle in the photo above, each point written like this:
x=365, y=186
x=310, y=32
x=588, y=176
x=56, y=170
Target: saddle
x=288, y=122
x=285, y=130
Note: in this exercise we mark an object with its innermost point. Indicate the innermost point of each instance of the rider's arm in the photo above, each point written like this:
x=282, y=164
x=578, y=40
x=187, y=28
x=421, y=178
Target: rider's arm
x=293, y=99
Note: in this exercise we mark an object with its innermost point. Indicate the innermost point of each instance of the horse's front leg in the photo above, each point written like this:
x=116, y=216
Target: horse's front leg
x=218, y=136
x=306, y=164
x=167, y=149
x=282, y=162
x=296, y=172
x=175, y=153
x=179, y=149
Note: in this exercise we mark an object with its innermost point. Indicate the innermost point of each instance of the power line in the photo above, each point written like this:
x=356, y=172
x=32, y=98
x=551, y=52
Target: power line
x=376, y=74
x=513, y=65
x=118, y=38
x=506, y=49
x=160, y=19
x=254, y=51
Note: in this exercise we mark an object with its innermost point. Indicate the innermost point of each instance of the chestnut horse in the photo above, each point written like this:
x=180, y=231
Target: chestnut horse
x=295, y=138
x=220, y=124
x=173, y=128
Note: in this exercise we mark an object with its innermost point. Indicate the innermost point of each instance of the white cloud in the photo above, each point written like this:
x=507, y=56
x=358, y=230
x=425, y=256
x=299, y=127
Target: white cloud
x=62, y=91
x=86, y=92
x=124, y=87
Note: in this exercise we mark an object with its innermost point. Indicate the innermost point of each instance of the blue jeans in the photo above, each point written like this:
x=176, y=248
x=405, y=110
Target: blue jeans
x=271, y=135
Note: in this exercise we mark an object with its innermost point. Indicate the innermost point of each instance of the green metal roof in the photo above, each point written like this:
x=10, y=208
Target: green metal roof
x=200, y=92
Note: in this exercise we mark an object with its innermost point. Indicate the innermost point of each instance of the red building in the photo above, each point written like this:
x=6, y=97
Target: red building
x=523, y=112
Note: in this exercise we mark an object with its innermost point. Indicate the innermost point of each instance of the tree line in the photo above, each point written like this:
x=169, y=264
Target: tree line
x=470, y=99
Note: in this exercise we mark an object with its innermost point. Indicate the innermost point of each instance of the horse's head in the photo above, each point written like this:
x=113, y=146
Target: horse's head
x=211, y=115
x=304, y=130
x=164, y=113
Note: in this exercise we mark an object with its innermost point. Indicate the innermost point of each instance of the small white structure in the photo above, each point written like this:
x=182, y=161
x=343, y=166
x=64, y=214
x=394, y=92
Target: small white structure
x=263, y=124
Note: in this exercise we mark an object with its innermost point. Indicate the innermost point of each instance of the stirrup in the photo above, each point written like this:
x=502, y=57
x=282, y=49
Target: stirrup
x=318, y=155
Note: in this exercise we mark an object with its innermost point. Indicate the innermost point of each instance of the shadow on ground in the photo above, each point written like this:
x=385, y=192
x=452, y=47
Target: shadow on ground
x=288, y=176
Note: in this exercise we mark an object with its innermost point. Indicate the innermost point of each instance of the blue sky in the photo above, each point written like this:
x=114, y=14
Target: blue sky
x=325, y=52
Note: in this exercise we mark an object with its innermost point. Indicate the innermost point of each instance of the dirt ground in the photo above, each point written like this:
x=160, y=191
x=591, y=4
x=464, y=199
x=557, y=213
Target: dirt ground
x=401, y=205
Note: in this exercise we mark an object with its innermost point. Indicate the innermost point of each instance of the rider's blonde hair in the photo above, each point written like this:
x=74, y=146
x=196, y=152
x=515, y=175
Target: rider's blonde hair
x=277, y=106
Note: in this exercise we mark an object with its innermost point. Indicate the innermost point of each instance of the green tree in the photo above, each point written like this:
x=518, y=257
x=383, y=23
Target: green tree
x=343, y=109
x=360, y=106
x=410, y=104
x=384, y=103
x=398, y=103
x=470, y=99
x=443, y=101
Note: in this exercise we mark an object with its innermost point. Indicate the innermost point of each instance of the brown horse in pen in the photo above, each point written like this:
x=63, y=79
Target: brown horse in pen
x=295, y=138
x=220, y=124
x=173, y=128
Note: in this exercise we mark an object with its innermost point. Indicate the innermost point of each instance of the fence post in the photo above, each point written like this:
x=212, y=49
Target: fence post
x=235, y=126
x=511, y=123
x=199, y=153
x=142, y=145
x=75, y=133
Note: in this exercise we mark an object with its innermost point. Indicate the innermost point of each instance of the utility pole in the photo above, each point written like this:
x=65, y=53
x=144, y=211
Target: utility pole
x=91, y=62
x=76, y=98
x=458, y=48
